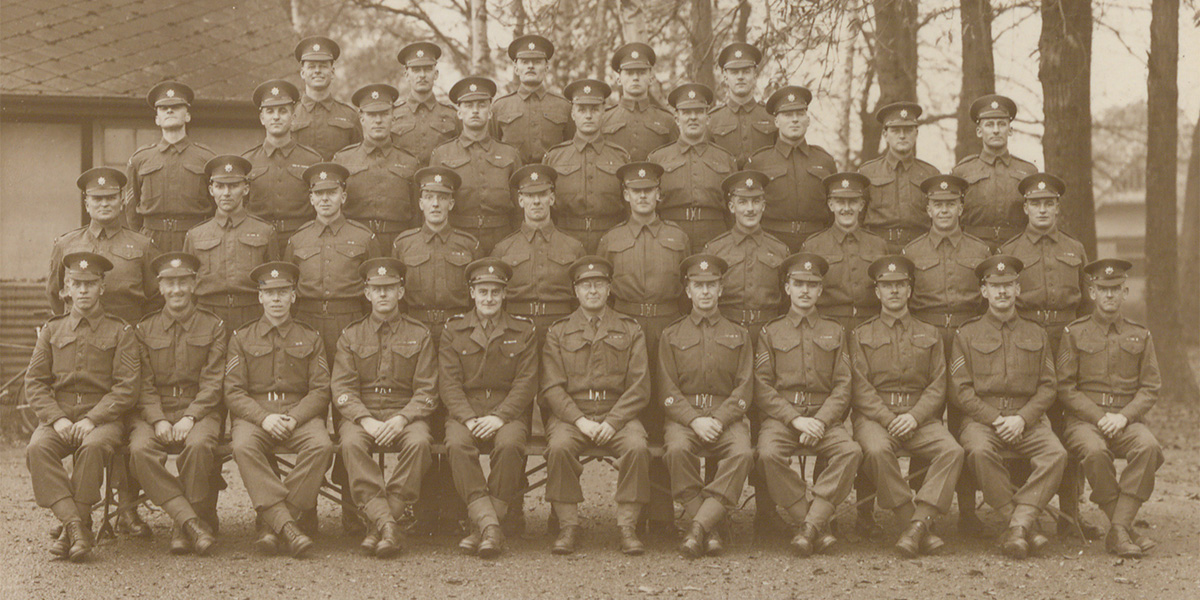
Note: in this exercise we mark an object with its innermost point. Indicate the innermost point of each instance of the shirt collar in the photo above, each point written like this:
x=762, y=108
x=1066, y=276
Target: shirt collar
x=581, y=143
x=698, y=147
x=539, y=91
x=285, y=150
x=795, y=319
x=185, y=321
x=308, y=102
x=990, y=157
x=741, y=106
x=954, y=237
x=110, y=230
x=1034, y=236
x=528, y=231
x=997, y=323
x=484, y=140
x=375, y=322
x=443, y=235
x=372, y=147
x=654, y=226
x=236, y=217
x=786, y=149
x=891, y=160
x=92, y=319
x=636, y=105
x=891, y=321
x=429, y=103
x=740, y=236
x=334, y=226
x=840, y=235
x=701, y=321
x=264, y=327
x=176, y=148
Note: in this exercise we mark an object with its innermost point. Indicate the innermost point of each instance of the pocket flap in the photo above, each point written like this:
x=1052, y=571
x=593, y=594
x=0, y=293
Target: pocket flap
x=206, y=244
x=458, y=258
x=300, y=350
x=618, y=340
x=406, y=348
x=128, y=251
x=364, y=350
x=305, y=252
x=986, y=345
x=157, y=342
x=257, y=350
x=1133, y=344
x=732, y=341
x=1028, y=343
x=765, y=127
x=828, y=343
x=455, y=162
x=351, y=250
x=253, y=239
x=500, y=161
x=923, y=340
x=414, y=258
x=149, y=167
x=1070, y=258
x=567, y=168
x=659, y=128
x=724, y=129
x=612, y=127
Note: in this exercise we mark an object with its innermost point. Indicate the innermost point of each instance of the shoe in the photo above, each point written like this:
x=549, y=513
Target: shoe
x=568, y=537
x=1119, y=542
x=713, y=545
x=970, y=525
x=910, y=542
x=200, y=535
x=630, y=544
x=61, y=546
x=352, y=525
x=130, y=523
x=1037, y=541
x=266, y=542
x=470, y=544
x=932, y=543
x=1143, y=542
x=1013, y=542
x=179, y=541
x=57, y=531
x=1063, y=526
x=308, y=522
x=370, y=541
x=297, y=543
x=81, y=541
x=802, y=542
x=492, y=542
x=824, y=539
x=693, y=545
x=390, y=542
x=514, y=522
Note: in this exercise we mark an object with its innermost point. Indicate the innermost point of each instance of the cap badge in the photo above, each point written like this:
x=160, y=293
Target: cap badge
x=420, y=53
x=437, y=178
x=791, y=97
x=1041, y=185
x=170, y=93
x=229, y=168
x=274, y=91
x=1108, y=270
x=587, y=89
x=324, y=175
x=995, y=104
x=904, y=113
x=945, y=185
x=532, y=45
x=892, y=267
x=374, y=95
x=750, y=183
x=100, y=181
x=491, y=269
x=533, y=176
x=704, y=265
x=591, y=267
x=274, y=272
x=1000, y=267
x=692, y=94
x=807, y=265
x=474, y=87
x=382, y=271
x=83, y=264
x=641, y=172
x=633, y=54
x=176, y=263
x=845, y=183
x=737, y=54
x=316, y=46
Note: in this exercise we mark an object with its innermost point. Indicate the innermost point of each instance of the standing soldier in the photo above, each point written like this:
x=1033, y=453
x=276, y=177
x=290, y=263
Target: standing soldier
x=277, y=391
x=796, y=205
x=82, y=377
x=899, y=393
x=802, y=375
x=741, y=124
x=896, y=208
x=379, y=193
x=694, y=168
x=1108, y=379
x=321, y=122
x=488, y=372
x=422, y=122
x=532, y=118
x=385, y=384
x=166, y=192
x=229, y=245
x=278, y=194
x=637, y=123
x=484, y=206
x=1003, y=372
x=847, y=297
x=706, y=370
x=182, y=349
x=992, y=206
x=596, y=380
x=588, y=191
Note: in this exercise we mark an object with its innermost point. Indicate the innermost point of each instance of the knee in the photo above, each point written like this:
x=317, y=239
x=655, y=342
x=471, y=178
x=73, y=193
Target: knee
x=1146, y=450
x=770, y=454
x=93, y=445
x=955, y=453
x=39, y=448
x=558, y=451
x=874, y=451
x=198, y=446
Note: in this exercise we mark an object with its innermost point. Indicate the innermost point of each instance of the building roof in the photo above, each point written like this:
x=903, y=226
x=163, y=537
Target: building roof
x=120, y=48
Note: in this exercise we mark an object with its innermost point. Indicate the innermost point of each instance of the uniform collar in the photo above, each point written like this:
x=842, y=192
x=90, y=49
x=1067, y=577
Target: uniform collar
x=1035, y=236
x=786, y=149
x=795, y=319
x=890, y=160
x=285, y=150
x=309, y=103
x=698, y=147
x=539, y=91
x=375, y=322
x=236, y=217
x=740, y=236
x=1116, y=323
x=954, y=237
x=994, y=321
x=92, y=318
x=264, y=327
x=709, y=321
x=334, y=226
x=654, y=226
x=581, y=143
x=578, y=321
x=990, y=157
x=741, y=106
x=635, y=104
x=372, y=147
x=890, y=321
x=185, y=321
x=176, y=148
x=443, y=235
x=840, y=235
x=528, y=231
x=428, y=103
x=484, y=140
x=108, y=231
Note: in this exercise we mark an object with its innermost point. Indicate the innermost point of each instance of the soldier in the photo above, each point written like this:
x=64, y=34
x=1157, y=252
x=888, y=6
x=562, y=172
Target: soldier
x=899, y=393
x=229, y=245
x=1003, y=373
x=540, y=255
x=532, y=118
x=637, y=123
x=484, y=204
x=385, y=384
x=488, y=368
x=596, y=380
x=587, y=191
x=896, y=208
x=992, y=206
x=422, y=122
x=182, y=350
x=706, y=370
x=694, y=168
x=796, y=205
x=847, y=297
x=802, y=386
x=278, y=194
x=166, y=192
x=131, y=291
x=741, y=124
x=1108, y=379
x=82, y=377
x=277, y=391
x=321, y=122
x=379, y=193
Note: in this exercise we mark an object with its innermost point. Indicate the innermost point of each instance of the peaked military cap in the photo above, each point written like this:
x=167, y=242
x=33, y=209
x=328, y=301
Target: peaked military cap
x=384, y=270
x=999, y=268
x=326, y=176
x=804, y=266
x=1041, y=185
x=227, y=168
x=533, y=178
x=745, y=183
x=632, y=56
x=531, y=46
x=86, y=266
x=993, y=106
x=275, y=92
x=419, y=54
x=893, y=267
x=590, y=267
x=170, y=93
x=944, y=187
x=899, y=114
x=175, y=264
x=846, y=184
x=690, y=95
x=275, y=275
x=317, y=48
x=438, y=179
x=739, y=55
x=789, y=97
x=101, y=181
x=587, y=91
x=472, y=88
x=375, y=97
x=640, y=175
x=488, y=270
x=703, y=267
x=1108, y=272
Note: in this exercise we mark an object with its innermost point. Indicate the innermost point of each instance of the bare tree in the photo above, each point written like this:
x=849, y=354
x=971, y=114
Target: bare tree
x=978, y=71
x=1189, y=246
x=894, y=65
x=701, y=36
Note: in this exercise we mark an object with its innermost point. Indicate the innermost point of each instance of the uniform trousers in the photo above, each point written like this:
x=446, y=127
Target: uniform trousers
x=682, y=449
x=653, y=417
x=1039, y=445
x=778, y=442
x=51, y=483
x=930, y=441
x=281, y=501
x=195, y=463
x=507, y=461
x=381, y=497
x=1136, y=444
x=564, y=444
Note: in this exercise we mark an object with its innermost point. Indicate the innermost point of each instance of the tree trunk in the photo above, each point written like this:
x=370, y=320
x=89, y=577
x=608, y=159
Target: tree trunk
x=634, y=27
x=1189, y=248
x=894, y=64
x=743, y=21
x=978, y=71
x=1162, y=292
x=1065, y=47
x=481, y=52
x=702, y=43
x=519, y=18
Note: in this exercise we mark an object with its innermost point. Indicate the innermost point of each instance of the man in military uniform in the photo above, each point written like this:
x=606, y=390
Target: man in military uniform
x=1108, y=379
x=896, y=208
x=1003, y=372
x=899, y=393
x=422, y=122
x=277, y=391
x=587, y=192
x=849, y=249
x=796, y=206
x=229, y=245
x=166, y=192
x=694, y=168
x=532, y=118
x=488, y=367
x=706, y=370
x=278, y=193
x=992, y=206
x=379, y=193
x=595, y=381
x=483, y=202
x=82, y=377
x=802, y=386
x=182, y=349
x=637, y=123
x=384, y=382
x=741, y=124
x=321, y=122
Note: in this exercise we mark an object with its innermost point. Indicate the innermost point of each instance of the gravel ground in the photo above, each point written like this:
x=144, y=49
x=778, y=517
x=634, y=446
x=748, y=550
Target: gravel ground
x=752, y=568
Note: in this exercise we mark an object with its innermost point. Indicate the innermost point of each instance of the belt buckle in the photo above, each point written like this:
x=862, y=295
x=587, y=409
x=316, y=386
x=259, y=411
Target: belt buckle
x=691, y=213
x=799, y=398
x=587, y=223
x=706, y=400
x=487, y=393
x=229, y=300
x=383, y=390
x=78, y=398
x=1107, y=399
x=596, y=395
x=537, y=308
x=176, y=391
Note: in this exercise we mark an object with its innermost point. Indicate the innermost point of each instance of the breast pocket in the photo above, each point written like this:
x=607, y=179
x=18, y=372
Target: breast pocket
x=661, y=129
x=985, y=360
x=197, y=348
x=1029, y=355
x=612, y=127
x=296, y=359
x=355, y=253
x=825, y=352
x=147, y=175
x=304, y=253
x=100, y=350
x=923, y=349
x=724, y=129
x=404, y=359
x=616, y=351
x=1129, y=363
x=158, y=348
x=259, y=364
